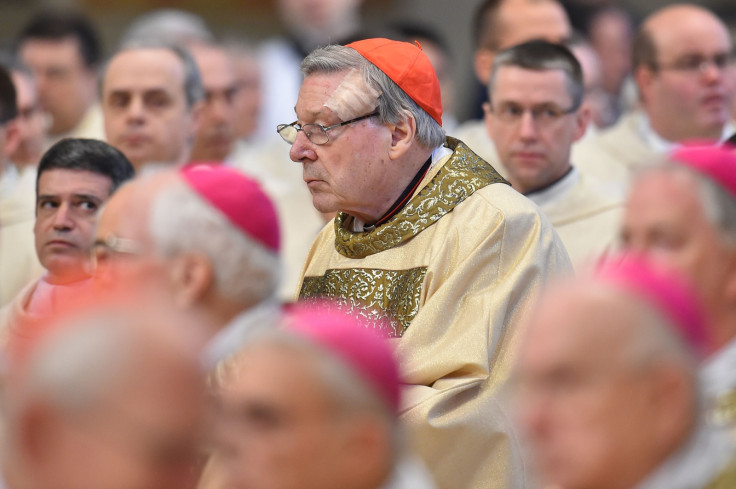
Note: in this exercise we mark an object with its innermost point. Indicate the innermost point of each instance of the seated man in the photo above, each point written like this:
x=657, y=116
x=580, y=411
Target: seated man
x=682, y=65
x=607, y=385
x=683, y=213
x=75, y=178
x=328, y=390
x=428, y=234
x=535, y=113
x=151, y=101
x=203, y=239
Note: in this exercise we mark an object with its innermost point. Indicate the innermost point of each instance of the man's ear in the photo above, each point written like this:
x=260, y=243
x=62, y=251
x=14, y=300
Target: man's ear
x=192, y=276
x=582, y=119
x=12, y=138
x=482, y=64
x=402, y=135
x=644, y=76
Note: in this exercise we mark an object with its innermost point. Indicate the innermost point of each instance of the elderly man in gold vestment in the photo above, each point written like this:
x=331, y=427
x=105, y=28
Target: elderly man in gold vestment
x=427, y=234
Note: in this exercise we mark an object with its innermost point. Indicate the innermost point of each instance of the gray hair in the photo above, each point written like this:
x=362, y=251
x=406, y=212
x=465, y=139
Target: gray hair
x=181, y=222
x=169, y=25
x=60, y=370
x=542, y=56
x=393, y=103
x=193, y=88
x=718, y=204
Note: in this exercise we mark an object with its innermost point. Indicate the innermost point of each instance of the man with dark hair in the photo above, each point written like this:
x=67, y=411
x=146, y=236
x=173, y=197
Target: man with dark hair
x=535, y=113
x=75, y=178
x=63, y=50
x=500, y=24
x=683, y=69
x=151, y=100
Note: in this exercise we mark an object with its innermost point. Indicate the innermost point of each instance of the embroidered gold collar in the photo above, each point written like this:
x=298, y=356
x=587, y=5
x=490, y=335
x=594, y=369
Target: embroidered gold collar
x=463, y=174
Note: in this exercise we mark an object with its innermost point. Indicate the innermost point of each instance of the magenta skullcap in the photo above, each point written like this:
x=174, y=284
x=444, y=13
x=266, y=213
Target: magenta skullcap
x=664, y=289
x=239, y=198
x=361, y=348
x=715, y=162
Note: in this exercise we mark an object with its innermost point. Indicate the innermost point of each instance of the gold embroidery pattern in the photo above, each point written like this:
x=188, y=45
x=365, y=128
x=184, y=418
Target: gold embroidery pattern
x=458, y=179
x=724, y=411
x=371, y=294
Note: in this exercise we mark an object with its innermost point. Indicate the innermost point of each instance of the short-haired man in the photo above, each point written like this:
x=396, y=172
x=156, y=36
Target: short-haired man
x=607, y=388
x=64, y=52
x=535, y=113
x=75, y=178
x=329, y=388
x=216, y=134
x=151, y=100
x=683, y=68
x=683, y=213
x=203, y=239
x=426, y=233
x=500, y=24
x=113, y=394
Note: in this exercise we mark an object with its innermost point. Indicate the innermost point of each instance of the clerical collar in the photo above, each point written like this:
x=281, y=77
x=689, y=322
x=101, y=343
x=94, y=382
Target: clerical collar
x=661, y=145
x=438, y=154
x=555, y=190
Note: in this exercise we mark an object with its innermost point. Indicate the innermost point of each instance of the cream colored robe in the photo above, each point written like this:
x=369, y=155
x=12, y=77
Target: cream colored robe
x=616, y=153
x=585, y=213
x=454, y=269
x=475, y=136
x=18, y=261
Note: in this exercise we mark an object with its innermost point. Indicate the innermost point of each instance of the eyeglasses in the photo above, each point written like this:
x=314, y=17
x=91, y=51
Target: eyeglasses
x=103, y=249
x=544, y=115
x=316, y=133
x=696, y=64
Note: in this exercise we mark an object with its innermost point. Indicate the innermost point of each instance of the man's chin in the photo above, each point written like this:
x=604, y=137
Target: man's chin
x=67, y=271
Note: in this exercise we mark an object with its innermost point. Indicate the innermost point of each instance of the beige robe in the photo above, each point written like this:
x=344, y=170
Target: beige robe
x=454, y=269
x=585, y=213
x=616, y=153
x=92, y=126
x=18, y=261
x=475, y=136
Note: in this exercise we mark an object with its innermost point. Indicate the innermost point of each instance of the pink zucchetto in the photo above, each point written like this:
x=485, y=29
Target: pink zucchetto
x=715, y=162
x=364, y=350
x=664, y=289
x=239, y=198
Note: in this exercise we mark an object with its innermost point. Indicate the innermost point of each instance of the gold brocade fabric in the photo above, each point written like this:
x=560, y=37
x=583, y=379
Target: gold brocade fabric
x=463, y=174
x=461, y=283
x=724, y=411
x=726, y=480
x=395, y=293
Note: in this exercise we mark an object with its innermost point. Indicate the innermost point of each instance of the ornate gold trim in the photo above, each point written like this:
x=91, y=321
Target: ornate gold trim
x=372, y=294
x=463, y=174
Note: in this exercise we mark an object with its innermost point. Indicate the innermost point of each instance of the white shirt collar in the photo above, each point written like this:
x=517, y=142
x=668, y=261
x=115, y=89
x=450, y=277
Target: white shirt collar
x=557, y=191
x=660, y=145
x=438, y=154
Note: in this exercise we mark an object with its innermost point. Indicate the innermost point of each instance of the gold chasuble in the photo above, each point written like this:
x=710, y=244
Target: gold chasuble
x=452, y=270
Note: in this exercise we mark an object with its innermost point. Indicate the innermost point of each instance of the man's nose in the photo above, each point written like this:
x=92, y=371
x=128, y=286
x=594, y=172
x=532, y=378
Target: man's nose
x=136, y=110
x=62, y=218
x=302, y=149
x=528, y=126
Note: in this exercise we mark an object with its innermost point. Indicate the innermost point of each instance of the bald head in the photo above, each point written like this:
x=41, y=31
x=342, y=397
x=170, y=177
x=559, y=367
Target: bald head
x=501, y=24
x=605, y=390
x=682, y=59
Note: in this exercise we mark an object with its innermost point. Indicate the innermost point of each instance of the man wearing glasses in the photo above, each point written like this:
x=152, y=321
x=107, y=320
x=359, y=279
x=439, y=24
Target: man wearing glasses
x=428, y=237
x=535, y=114
x=683, y=68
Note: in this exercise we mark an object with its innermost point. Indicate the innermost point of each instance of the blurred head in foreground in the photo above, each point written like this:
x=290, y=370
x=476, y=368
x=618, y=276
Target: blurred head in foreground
x=103, y=397
x=310, y=406
x=606, y=379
